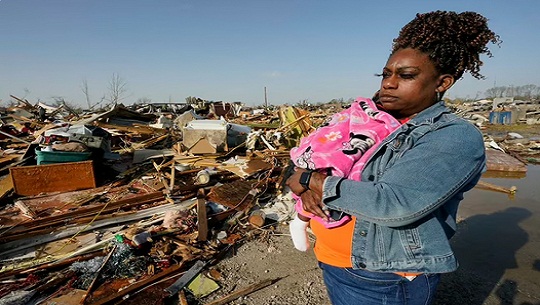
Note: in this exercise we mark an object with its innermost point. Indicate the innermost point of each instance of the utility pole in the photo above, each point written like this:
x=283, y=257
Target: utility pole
x=265, y=100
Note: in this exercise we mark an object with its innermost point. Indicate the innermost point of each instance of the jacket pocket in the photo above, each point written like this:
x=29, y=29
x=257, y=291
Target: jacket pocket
x=411, y=242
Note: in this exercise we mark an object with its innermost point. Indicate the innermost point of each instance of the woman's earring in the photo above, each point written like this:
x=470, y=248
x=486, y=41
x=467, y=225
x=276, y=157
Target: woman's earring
x=439, y=96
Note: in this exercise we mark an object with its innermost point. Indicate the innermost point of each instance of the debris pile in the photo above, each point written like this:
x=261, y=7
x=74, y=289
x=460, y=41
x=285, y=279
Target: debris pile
x=99, y=207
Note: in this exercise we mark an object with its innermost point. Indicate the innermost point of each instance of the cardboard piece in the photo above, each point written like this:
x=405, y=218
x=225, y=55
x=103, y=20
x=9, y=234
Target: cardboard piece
x=214, y=132
x=203, y=146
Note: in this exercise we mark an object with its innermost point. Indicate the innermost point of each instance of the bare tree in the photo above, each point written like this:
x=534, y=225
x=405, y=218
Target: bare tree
x=26, y=93
x=527, y=91
x=117, y=89
x=61, y=103
x=84, y=88
x=496, y=92
x=143, y=100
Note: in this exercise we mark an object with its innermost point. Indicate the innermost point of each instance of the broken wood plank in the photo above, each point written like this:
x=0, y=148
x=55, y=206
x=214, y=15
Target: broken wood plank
x=240, y=293
x=202, y=220
x=500, y=161
x=32, y=240
x=62, y=177
x=235, y=195
x=54, y=265
x=173, y=171
x=96, y=276
x=72, y=216
x=25, y=210
x=186, y=278
x=6, y=186
x=486, y=185
x=138, y=285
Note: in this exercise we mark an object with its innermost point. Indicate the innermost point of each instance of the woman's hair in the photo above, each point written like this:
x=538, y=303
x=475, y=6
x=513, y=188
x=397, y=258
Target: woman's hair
x=453, y=41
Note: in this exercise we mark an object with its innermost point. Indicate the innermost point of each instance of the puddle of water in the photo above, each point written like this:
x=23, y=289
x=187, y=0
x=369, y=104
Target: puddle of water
x=484, y=201
x=498, y=238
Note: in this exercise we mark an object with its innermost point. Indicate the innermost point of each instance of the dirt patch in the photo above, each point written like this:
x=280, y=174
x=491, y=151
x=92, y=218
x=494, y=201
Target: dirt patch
x=301, y=280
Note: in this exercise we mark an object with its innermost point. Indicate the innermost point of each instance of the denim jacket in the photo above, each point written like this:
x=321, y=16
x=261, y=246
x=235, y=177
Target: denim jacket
x=407, y=200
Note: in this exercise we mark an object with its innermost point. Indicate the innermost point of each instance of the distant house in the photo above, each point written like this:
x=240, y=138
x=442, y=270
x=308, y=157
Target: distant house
x=482, y=105
x=500, y=102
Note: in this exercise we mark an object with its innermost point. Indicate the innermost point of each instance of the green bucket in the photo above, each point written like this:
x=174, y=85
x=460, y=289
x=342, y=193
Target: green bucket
x=52, y=157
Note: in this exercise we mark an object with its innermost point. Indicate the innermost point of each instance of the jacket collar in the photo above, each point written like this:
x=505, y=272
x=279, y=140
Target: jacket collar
x=430, y=113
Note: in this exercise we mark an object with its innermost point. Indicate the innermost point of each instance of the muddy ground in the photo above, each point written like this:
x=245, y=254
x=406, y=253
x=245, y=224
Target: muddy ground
x=497, y=243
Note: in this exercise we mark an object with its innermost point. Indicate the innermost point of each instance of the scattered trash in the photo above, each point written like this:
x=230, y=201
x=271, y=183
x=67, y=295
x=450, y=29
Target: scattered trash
x=99, y=206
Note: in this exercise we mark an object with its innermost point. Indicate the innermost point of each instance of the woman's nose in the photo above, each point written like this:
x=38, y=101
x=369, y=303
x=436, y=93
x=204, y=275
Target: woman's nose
x=389, y=82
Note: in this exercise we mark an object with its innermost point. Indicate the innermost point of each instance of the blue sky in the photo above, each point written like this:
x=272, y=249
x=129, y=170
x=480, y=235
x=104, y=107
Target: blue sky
x=231, y=50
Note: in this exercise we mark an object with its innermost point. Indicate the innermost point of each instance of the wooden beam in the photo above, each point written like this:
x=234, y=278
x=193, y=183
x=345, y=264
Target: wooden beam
x=98, y=272
x=249, y=289
x=202, y=220
x=61, y=177
x=173, y=171
x=83, y=212
x=486, y=185
x=138, y=285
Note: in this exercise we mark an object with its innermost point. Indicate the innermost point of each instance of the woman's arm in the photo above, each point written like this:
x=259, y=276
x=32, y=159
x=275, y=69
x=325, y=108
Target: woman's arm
x=437, y=167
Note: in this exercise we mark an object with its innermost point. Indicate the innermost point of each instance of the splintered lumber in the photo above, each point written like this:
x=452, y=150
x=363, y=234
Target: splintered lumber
x=186, y=278
x=182, y=298
x=61, y=219
x=138, y=285
x=202, y=220
x=8, y=159
x=31, y=240
x=96, y=276
x=235, y=195
x=138, y=129
x=240, y=293
x=6, y=186
x=486, y=185
x=500, y=161
x=173, y=171
x=54, y=265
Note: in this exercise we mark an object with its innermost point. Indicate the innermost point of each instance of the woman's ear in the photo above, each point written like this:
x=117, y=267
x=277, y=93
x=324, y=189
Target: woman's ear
x=445, y=82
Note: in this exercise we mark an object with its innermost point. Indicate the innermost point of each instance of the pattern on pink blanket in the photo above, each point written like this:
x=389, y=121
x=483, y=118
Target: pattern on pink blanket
x=343, y=145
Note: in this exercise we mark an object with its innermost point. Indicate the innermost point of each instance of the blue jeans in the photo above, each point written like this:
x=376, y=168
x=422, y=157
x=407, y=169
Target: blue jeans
x=347, y=286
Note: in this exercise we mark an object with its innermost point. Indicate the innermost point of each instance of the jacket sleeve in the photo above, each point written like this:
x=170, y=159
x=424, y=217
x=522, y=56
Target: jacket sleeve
x=438, y=166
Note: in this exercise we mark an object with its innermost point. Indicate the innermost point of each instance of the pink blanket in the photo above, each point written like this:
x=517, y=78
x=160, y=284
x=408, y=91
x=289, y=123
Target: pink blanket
x=342, y=146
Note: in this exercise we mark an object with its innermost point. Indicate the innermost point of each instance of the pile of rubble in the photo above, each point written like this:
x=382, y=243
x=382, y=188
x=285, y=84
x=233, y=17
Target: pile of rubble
x=98, y=207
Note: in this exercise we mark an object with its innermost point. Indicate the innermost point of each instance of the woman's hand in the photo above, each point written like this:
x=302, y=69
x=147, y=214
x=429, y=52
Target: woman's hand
x=312, y=198
x=312, y=203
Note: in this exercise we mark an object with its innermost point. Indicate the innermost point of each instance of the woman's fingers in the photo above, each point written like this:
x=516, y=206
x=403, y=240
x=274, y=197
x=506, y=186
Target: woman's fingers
x=313, y=204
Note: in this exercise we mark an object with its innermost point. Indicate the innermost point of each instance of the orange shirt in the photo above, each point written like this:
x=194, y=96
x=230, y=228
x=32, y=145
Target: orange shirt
x=334, y=246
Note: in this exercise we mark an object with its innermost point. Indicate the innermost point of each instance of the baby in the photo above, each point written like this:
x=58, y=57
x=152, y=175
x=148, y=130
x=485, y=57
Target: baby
x=341, y=148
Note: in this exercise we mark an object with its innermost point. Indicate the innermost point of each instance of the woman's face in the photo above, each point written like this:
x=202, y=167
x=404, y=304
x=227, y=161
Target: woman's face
x=409, y=83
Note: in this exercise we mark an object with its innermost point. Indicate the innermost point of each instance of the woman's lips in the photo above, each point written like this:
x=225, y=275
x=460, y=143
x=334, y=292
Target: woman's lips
x=387, y=98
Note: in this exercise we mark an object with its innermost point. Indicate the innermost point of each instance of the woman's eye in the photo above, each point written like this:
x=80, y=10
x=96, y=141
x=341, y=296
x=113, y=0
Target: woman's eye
x=407, y=76
x=383, y=75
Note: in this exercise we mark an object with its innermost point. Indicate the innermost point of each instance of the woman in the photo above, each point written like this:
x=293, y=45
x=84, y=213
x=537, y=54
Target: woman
x=404, y=208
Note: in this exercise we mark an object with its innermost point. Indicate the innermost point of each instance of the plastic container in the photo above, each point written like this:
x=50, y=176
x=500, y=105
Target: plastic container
x=52, y=157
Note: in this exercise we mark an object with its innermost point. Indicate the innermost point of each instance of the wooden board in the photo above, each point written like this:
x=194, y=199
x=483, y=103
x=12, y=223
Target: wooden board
x=500, y=161
x=6, y=185
x=61, y=177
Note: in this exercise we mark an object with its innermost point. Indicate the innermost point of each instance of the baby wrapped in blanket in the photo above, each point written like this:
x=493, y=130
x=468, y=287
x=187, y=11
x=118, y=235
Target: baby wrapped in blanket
x=341, y=148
